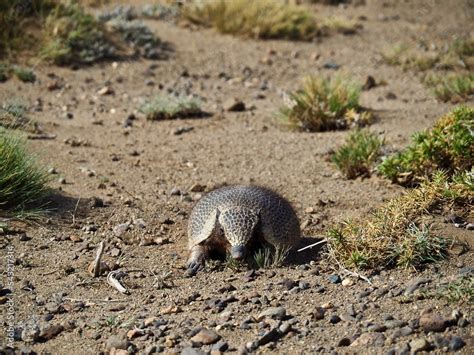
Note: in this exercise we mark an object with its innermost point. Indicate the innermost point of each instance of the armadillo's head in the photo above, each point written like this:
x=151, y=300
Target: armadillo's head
x=238, y=224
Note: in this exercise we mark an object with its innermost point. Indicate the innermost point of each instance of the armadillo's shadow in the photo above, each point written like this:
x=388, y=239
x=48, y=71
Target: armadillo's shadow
x=305, y=256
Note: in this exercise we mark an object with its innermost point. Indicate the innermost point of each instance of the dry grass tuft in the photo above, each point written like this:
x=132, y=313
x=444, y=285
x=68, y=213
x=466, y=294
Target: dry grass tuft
x=394, y=235
x=262, y=19
x=451, y=88
x=171, y=107
x=325, y=104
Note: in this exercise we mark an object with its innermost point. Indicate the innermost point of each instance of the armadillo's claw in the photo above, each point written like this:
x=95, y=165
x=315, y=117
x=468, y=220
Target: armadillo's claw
x=193, y=266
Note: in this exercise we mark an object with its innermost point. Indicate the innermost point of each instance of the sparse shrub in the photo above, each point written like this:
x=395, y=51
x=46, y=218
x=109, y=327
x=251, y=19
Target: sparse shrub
x=453, y=88
x=325, y=104
x=395, y=234
x=339, y=24
x=357, y=156
x=13, y=115
x=171, y=107
x=22, y=182
x=256, y=19
x=449, y=146
x=73, y=36
x=25, y=75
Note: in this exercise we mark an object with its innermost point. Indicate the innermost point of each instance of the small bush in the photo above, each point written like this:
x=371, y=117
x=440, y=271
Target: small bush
x=257, y=19
x=357, y=156
x=25, y=75
x=171, y=107
x=22, y=182
x=73, y=36
x=452, y=88
x=13, y=115
x=325, y=104
x=449, y=146
x=395, y=235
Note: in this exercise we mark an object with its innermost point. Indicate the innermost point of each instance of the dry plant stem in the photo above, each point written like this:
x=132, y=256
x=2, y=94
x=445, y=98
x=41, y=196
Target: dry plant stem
x=75, y=210
x=352, y=273
x=91, y=300
x=98, y=256
x=313, y=245
x=112, y=280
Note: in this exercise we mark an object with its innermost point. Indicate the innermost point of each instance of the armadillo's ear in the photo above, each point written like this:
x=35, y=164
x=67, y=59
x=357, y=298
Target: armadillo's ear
x=209, y=227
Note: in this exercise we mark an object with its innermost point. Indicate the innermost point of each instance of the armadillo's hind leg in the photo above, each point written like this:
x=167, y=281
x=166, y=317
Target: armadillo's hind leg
x=196, y=260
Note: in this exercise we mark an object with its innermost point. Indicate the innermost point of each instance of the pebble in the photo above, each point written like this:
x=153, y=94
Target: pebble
x=347, y=282
x=206, y=336
x=220, y=346
x=272, y=312
x=377, y=339
x=419, y=345
x=432, y=322
x=288, y=284
x=233, y=105
x=192, y=351
x=334, y=319
x=344, y=342
x=456, y=343
x=335, y=279
x=391, y=324
x=318, y=313
x=470, y=226
x=120, y=229
x=117, y=342
x=49, y=331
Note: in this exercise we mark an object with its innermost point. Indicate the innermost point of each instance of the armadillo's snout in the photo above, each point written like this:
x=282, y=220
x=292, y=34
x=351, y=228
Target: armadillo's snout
x=238, y=252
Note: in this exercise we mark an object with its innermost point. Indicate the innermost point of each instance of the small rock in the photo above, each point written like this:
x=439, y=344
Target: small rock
x=50, y=331
x=470, y=226
x=432, y=322
x=455, y=219
x=456, y=343
x=288, y=284
x=369, y=83
x=234, y=105
x=347, y=282
x=192, y=351
x=220, y=346
x=334, y=319
x=106, y=90
x=344, y=342
x=419, y=345
x=391, y=96
x=117, y=342
x=206, y=336
x=335, y=279
x=183, y=129
x=269, y=336
x=369, y=339
x=318, y=313
x=273, y=312
x=120, y=229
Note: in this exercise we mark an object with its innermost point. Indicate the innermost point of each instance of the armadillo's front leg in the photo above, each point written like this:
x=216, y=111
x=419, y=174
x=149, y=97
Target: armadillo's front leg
x=196, y=260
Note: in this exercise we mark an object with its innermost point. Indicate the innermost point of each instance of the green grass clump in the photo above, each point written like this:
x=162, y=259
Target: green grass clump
x=270, y=257
x=22, y=181
x=395, y=234
x=358, y=155
x=325, y=104
x=171, y=107
x=453, y=88
x=25, y=75
x=449, y=146
x=262, y=19
x=459, y=290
